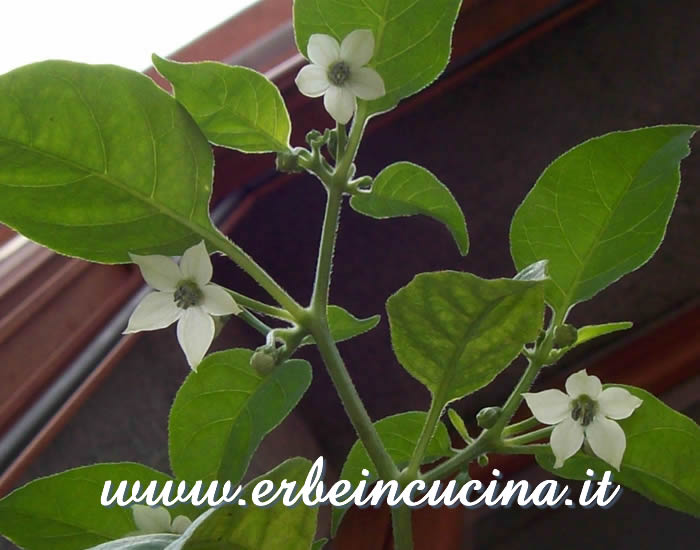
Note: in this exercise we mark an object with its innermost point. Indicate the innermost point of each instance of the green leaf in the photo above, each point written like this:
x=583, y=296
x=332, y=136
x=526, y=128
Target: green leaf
x=455, y=332
x=224, y=410
x=344, y=325
x=400, y=434
x=255, y=528
x=459, y=425
x=590, y=332
x=405, y=189
x=98, y=162
x=319, y=544
x=600, y=210
x=660, y=461
x=412, y=39
x=235, y=107
x=63, y=511
x=142, y=542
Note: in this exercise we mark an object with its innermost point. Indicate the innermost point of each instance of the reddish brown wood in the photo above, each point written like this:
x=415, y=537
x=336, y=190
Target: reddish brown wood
x=48, y=320
x=5, y=233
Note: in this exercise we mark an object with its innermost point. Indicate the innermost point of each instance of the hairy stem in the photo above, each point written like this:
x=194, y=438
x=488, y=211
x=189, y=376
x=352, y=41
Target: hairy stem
x=402, y=527
x=436, y=408
x=254, y=322
x=247, y=264
x=324, y=266
x=318, y=318
x=520, y=427
x=530, y=436
x=353, y=404
x=260, y=307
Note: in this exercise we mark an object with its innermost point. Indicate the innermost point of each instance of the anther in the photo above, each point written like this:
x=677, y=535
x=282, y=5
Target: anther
x=338, y=73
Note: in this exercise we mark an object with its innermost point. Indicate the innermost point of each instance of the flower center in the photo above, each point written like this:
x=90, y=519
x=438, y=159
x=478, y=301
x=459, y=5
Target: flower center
x=583, y=410
x=338, y=73
x=187, y=294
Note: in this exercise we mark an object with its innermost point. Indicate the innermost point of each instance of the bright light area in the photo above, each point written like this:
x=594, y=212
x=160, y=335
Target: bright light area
x=123, y=32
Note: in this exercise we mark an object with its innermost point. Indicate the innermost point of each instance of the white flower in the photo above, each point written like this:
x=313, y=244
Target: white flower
x=184, y=294
x=337, y=72
x=157, y=520
x=586, y=412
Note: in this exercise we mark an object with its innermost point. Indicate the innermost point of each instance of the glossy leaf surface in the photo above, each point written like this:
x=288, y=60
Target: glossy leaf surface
x=455, y=332
x=235, y=107
x=405, y=189
x=98, y=162
x=224, y=410
x=600, y=210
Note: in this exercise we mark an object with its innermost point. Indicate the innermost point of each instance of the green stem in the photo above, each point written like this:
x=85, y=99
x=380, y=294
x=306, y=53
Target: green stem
x=535, y=362
x=254, y=322
x=358, y=128
x=520, y=427
x=351, y=401
x=530, y=436
x=524, y=449
x=461, y=460
x=260, y=307
x=434, y=413
x=318, y=322
x=402, y=528
x=319, y=298
x=219, y=242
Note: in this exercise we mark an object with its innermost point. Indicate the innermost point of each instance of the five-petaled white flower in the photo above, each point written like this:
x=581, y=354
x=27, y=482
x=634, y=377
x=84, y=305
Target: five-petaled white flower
x=184, y=294
x=157, y=520
x=338, y=72
x=586, y=412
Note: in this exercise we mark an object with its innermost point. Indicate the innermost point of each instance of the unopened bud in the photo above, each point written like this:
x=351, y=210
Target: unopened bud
x=486, y=418
x=565, y=336
x=288, y=162
x=262, y=362
x=313, y=137
x=483, y=461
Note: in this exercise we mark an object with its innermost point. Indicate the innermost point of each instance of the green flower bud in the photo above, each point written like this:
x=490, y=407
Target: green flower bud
x=262, y=362
x=565, y=336
x=487, y=417
x=483, y=461
x=312, y=137
x=288, y=162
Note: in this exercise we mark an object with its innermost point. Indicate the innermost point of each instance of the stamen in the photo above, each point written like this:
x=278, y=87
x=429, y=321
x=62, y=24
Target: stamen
x=583, y=410
x=338, y=73
x=187, y=294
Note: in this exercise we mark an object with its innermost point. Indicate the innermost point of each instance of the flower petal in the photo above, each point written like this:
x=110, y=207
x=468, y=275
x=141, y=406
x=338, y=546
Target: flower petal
x=323, y=50
x=218, y=302
x=580, y=383
x=340, y=104
x=157, y=310
x=617, y=403
x=357, y=48
x=195, y=264
x=566, y=439
x=151, y=520
x=160, y=272
x=312, y=81
x=180, y=525
x=549, y=406
x=607, y=440
x=195, y=332
x=366, y=83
